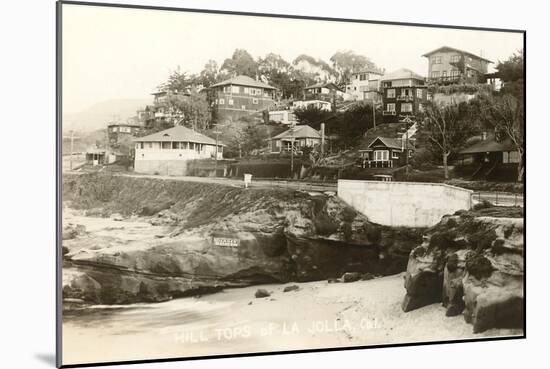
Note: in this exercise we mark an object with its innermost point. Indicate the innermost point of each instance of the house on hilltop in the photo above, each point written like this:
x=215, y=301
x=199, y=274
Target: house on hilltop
x=297, y=137
x=362, y=82
x=448, y=65
x=167, y=152
x=386, y=152
x=241, y=96
x=404, y=93
x=491, y=158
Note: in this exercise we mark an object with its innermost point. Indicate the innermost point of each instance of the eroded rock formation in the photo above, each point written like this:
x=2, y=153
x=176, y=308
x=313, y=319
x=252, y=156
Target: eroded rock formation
x=473, y=264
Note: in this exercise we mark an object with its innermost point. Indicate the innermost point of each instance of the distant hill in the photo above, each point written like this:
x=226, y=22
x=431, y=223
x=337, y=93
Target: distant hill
x=98, y=115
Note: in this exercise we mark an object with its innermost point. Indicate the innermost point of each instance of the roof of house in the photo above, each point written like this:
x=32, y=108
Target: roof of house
x=178, y=133
x=455, y=49
x=303, y=131
x=392, y=143
x=368, y=70
x=243, y=81
x=489, y=145
x=322, y=84
x=402, y=73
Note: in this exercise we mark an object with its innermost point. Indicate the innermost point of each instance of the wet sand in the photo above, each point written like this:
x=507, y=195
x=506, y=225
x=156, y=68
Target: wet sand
x=318, y=315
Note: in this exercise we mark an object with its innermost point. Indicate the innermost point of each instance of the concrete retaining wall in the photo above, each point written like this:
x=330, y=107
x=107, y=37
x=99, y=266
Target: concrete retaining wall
x=408, y=204
x=162, y=167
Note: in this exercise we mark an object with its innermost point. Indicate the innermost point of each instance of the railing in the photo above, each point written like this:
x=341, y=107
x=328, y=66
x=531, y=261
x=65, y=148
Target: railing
x=444, y=79
x=499, y=198
x=388, y=112
x=405, y=98
x=377, y=164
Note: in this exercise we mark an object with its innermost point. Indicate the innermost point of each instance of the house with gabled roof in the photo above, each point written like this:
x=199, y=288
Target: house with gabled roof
x=241, y=95
x=492, y=157
x=297, y=137
x=386, y=152
x=168, y=152
x=448, y=65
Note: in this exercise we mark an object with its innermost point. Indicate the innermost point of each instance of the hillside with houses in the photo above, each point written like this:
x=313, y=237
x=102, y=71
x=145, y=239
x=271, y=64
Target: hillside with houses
x=314, y=120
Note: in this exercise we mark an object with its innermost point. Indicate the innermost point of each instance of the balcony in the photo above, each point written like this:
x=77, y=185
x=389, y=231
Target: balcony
x=444, y=79
x=388, y=112
x=405, y=98
x=378, y=164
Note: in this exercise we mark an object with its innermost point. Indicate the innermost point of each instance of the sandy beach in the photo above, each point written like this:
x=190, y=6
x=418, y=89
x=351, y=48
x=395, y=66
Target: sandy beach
x=318, y=315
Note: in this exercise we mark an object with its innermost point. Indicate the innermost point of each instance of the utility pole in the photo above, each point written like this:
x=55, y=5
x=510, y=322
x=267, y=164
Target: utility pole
x=291, y=151
x=407, y=154
x=72, y=137
x=218, y=132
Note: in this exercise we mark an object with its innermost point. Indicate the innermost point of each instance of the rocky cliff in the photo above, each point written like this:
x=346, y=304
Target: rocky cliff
x=275, y=236
x=472, y=262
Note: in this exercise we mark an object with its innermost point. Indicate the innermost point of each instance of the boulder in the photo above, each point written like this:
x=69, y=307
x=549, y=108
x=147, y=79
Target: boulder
x=423, y=280
x=453, y=290
x=474, y=265
x=291, y=288
x=260, y=293
x=351, y=277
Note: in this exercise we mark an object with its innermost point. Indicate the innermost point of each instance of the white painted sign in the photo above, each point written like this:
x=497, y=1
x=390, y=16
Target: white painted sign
x=226, y=242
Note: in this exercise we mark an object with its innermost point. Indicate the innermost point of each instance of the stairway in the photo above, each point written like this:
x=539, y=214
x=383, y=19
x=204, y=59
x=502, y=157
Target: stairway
x=484, y=171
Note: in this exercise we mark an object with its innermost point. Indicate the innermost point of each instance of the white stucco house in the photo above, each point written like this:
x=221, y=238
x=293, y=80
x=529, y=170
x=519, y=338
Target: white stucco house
x=168, y=152
x=362, y=82
x=319, y=104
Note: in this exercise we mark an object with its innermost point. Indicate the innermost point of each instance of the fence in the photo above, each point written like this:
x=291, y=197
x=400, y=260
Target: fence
x=499, y=198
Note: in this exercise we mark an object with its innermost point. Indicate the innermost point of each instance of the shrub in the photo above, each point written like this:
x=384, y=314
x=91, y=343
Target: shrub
x=482, y=240
x=479, y=266
x=443, y=240
x=452, y=262
x=374, y=234
x=483, y=205
x=324, y=224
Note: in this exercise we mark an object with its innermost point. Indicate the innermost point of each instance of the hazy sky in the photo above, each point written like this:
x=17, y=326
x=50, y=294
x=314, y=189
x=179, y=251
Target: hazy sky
x=112, y=53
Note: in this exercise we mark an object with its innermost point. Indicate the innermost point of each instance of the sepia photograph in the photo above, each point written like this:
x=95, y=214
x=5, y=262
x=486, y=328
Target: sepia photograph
x=235, y=184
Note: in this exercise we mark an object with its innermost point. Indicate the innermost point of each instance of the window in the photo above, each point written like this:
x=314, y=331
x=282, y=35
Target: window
x=406, y=107
x=166, y=145
x=405, y=92
x=149, y=145
x=391, y=93
x=455, y=58
x=395, y=155
x=390, y=107
x=254, y=101
x=419, y=93
x=381, y=155
x=243, y=107
x=455, y=73
x=363, y=77
x=510, y=157
x=246, y=90
x=235, y=89
x=436, y=60
x=175, y=145
x=444, y=74
x=435, y=74
x=221, y=101
x=230, y=102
